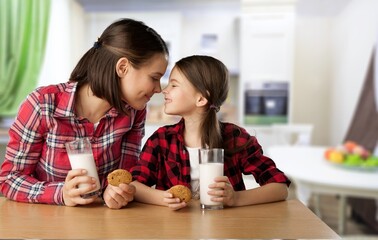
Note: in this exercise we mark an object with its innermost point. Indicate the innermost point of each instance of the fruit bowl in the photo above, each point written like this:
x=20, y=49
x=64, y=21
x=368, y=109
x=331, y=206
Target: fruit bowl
x=352, y=156
x=355, y=167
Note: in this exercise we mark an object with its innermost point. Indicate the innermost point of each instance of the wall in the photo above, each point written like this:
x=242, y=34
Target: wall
x=56, y=64
x=224, y=24
x=311, y=85
x=331, y=60
x=354, y=34
x=64, y=43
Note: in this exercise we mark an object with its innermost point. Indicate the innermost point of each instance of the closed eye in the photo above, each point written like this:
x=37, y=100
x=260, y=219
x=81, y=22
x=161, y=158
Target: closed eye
x=173, y=83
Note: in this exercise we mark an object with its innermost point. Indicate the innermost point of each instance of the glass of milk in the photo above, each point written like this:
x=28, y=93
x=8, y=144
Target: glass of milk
x=210, y=166
x=81, y=157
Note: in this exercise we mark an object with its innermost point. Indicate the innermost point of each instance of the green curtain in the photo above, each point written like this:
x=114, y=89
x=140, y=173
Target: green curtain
x=23, y=34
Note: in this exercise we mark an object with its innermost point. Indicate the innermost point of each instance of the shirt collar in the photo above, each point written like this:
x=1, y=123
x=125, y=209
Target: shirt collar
x=177, y=129
x=66, y=103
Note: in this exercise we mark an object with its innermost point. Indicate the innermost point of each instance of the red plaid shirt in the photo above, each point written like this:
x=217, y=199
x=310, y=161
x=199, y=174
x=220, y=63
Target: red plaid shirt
x=164, y=160
x=36, y=162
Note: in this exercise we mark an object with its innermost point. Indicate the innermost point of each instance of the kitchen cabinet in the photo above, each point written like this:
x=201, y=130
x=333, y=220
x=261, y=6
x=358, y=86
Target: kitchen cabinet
x=266, y=61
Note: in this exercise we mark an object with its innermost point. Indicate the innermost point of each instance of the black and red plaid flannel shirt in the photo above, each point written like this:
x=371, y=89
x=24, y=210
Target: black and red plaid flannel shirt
x=164, y=160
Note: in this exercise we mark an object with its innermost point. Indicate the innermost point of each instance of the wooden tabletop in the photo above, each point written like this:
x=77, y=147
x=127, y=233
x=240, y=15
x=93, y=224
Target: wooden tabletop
x=287, y=219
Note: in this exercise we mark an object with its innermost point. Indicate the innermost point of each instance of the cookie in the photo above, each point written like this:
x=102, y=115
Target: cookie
x=119, y=176
x=182, y=192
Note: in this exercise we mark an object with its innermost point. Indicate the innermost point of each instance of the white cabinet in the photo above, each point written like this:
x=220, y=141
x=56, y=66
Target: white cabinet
x=266, y=59
x=266, y=40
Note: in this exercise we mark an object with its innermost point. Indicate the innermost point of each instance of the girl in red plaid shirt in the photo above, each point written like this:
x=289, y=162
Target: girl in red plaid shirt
x=105, y=101
x=198, y=86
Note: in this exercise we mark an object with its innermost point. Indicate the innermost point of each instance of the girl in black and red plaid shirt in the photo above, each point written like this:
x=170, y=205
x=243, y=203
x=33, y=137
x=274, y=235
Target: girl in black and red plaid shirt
x=198, y=86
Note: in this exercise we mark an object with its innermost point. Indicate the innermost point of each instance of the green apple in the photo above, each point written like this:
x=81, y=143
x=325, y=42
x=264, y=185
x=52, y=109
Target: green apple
x=371, y=162
x=353, y=160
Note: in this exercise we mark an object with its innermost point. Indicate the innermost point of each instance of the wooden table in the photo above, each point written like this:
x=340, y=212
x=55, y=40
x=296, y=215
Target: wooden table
x=287, y=219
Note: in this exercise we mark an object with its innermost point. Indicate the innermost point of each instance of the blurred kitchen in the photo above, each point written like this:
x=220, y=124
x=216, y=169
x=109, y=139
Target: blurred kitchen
x=295, y=63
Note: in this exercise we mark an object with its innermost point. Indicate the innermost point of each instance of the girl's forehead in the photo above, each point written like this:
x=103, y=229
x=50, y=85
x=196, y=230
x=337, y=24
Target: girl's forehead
x=178, y=76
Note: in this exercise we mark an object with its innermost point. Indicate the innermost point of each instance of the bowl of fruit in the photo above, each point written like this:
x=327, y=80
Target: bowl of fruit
x=352, y=156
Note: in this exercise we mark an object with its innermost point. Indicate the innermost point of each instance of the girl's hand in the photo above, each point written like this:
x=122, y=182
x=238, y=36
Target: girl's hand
x=118, y=197
x=173, y=203
x=222, y=191
x=71, y=191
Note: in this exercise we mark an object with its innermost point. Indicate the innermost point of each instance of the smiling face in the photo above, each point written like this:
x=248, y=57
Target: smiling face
x=181, y=97
x=139, y=85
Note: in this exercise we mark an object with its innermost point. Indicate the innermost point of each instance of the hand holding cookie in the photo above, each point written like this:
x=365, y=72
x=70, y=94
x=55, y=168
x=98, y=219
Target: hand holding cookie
x=117, y=195
x=182, y=192
x=119, y=176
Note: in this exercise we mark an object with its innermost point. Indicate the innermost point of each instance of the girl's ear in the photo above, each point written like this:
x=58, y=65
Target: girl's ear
x=201, y=101
x=122, y=66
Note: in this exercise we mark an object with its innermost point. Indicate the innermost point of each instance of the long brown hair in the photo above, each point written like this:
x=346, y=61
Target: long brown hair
x=210, y=77
x=123, y=38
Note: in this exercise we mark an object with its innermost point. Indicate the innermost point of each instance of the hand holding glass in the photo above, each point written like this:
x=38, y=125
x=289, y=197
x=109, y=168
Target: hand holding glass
x=211, y=166
x=81, y=157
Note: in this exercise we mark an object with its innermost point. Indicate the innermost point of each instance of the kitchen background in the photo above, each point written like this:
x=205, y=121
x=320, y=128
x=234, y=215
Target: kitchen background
x=316, y=52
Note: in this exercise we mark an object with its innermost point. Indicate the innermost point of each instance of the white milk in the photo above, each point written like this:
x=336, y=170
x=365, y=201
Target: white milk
x=85, y=161
x=208, y=171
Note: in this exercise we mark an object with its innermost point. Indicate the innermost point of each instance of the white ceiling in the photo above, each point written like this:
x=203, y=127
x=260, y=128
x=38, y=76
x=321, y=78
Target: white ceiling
x=304, y=7
x=159, y=5
x=321, y=7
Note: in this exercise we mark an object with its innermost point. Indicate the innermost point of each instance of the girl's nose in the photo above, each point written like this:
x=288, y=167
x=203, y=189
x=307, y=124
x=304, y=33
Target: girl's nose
x=164, y=91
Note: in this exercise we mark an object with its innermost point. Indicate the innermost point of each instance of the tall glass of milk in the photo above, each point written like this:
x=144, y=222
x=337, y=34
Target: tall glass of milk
x=81, y=157
x=211, y=166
